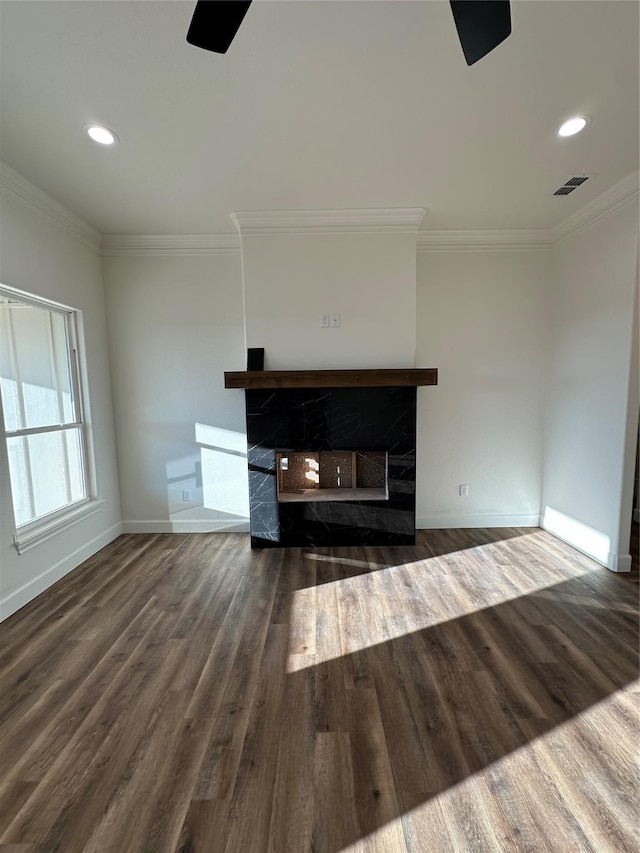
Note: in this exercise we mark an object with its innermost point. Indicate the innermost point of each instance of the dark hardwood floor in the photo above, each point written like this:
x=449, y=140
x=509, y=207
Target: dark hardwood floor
x=477, y=692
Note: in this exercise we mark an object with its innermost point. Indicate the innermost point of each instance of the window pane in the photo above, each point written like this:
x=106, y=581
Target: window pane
x=19, y=474
x=35, y=367
x=75, y=458
x=55, y=460
x=61, y=356
x=8, y=384
x=47, y=467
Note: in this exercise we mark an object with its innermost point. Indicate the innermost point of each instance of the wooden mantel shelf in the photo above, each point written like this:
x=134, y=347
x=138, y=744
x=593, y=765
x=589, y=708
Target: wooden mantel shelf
x=330, y=378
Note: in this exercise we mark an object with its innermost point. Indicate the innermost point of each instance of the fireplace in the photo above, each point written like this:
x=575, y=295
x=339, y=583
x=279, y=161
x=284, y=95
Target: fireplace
x=331, y=465
x=332, y=475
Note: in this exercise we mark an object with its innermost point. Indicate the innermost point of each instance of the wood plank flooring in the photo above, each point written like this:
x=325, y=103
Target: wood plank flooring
x=477, y=692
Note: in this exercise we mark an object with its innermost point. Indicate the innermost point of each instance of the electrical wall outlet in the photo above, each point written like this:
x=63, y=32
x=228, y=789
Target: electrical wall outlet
x=334, y=321
x=464, y=490
x=186, y=494
x=324, y=321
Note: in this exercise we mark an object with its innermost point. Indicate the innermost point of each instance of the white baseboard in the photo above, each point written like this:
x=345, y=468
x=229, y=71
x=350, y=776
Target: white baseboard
x=462, y=521
x=619, y=562
x=187, y=526
x=594, y=543
x=612, y=561
x=30, y=590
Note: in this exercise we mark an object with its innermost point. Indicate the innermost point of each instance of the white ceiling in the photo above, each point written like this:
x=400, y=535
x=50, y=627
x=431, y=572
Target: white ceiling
x=317, y=105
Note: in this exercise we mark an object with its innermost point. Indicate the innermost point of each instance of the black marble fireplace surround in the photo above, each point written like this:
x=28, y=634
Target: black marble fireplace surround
x=320, y=419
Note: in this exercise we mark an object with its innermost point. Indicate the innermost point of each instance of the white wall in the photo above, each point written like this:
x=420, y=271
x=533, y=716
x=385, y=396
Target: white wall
x=175, y=325
x=591, y=417
x=483, y=322
x=45, y=259
x=504, y=328
x=369, y=279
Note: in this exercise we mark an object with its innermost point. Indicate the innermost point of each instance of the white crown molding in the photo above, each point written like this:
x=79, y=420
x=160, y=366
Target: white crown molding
x=14, y=186
x=609, y=202
x=383, y=220
x=483, y=241
x=170, y=244
x=606, y=204
x=405, y=220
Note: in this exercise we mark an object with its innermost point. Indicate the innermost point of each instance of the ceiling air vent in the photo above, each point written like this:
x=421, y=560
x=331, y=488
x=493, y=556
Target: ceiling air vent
x=571, y=184
x=575, y=182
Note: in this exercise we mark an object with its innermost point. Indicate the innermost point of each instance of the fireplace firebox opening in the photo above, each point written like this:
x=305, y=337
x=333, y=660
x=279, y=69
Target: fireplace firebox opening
x=333, y=475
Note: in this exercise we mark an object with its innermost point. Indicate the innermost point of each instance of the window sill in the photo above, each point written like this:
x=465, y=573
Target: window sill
x=39, y=533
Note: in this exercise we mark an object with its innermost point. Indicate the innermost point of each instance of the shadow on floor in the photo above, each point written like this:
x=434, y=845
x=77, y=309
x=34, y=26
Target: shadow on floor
x=339, y=563
x=381, y=731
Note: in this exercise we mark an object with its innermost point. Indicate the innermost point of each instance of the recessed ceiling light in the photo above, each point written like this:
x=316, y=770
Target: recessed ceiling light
x=101, y=134
x=574, y=125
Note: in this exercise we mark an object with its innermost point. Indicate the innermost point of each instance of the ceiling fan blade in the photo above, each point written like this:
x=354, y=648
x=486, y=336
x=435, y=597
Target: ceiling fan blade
x=215, y=23
x=481, y=25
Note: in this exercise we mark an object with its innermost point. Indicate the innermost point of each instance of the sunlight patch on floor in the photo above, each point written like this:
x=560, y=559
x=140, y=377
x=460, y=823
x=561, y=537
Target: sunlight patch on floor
x=383, y=603
x=509, y=802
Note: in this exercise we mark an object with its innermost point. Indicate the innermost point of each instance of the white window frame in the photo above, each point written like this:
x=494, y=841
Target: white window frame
x=35, y=532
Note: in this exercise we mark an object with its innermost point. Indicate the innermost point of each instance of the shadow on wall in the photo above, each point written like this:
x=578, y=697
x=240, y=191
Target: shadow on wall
x=211, y=485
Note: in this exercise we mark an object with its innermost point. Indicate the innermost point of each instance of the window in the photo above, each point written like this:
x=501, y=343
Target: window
x=43, y=414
